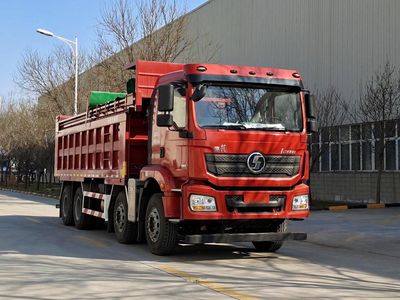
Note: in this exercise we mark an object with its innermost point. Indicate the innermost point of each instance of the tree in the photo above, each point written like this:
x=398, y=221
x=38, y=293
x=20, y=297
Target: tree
x=155, y=32
x=379, y=103
x=51, y=78
x=15, y=139
x=331, y=111
x=25, y=140
x=148, y=30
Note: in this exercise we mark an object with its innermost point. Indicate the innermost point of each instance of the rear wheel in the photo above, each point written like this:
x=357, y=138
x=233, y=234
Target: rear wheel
x=82, y=221
x=161, y=235
x=66, y=206
x=272, y=246
x=125, y=231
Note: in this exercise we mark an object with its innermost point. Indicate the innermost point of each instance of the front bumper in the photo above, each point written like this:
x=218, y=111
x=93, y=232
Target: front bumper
x=243, y=237
x=253, y=204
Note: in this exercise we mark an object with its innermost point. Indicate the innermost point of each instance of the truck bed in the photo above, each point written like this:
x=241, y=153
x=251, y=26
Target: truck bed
x=108, y=142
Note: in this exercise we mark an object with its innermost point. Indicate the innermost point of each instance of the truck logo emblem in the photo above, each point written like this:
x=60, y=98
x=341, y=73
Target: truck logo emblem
x=256, y=162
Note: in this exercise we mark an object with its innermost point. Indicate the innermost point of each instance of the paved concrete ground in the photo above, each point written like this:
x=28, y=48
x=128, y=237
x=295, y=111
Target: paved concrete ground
x=352, y=254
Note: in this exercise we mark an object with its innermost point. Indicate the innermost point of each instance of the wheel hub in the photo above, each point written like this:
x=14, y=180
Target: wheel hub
x=120, y=217
x=153, y=225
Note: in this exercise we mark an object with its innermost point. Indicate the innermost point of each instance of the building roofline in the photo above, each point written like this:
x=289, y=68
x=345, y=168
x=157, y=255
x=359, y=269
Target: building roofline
x=199, y=7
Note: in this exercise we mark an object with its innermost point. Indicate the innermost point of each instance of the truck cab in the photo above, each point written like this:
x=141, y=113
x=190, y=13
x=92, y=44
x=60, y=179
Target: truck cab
x=229, y=151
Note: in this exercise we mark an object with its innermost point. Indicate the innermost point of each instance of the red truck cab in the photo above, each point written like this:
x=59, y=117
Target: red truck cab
x=223, y=158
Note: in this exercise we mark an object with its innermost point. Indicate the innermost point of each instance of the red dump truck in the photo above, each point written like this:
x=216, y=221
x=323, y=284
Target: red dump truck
x=192, y=153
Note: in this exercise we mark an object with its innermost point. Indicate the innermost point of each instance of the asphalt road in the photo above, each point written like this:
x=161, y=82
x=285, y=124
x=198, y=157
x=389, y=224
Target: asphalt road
x=352, y=254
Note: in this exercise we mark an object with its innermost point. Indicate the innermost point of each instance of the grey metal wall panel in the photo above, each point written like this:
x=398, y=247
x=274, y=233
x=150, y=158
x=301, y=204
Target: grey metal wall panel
x=354, y=186
x=338, y=43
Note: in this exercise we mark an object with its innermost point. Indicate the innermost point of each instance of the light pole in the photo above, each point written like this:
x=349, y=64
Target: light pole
x=70, y=43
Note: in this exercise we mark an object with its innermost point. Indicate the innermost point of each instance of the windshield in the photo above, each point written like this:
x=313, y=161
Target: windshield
x=249, y=108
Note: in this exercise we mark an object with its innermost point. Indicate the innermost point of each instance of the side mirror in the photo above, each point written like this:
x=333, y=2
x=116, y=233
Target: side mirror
x=312, y=126
x=165, y=120
x=311, y=112
x=130, y=86
x=199, y=92
x=166, y=98
x=311, y=105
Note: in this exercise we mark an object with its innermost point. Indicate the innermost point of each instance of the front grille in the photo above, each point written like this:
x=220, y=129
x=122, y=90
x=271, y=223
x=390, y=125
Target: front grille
x=235, y=165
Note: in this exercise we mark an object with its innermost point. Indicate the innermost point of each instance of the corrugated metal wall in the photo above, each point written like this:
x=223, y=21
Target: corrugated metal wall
x=338, y=43
x=333, y=43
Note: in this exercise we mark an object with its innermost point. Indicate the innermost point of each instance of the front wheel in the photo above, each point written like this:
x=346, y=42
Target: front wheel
x=161, y=235
x=271, y=246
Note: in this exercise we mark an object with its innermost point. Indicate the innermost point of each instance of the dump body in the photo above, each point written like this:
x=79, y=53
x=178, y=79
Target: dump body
x=107, y=146
x=108, y=141
x=92, y=147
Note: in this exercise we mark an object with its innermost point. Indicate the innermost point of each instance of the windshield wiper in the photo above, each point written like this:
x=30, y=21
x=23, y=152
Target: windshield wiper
x=226, y=125
x=263, y=126
x=253, y=126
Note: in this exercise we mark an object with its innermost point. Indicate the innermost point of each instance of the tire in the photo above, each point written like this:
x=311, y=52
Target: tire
x=161, y=235
x=66, y=206
x=271, y=246
x=125, y=231
x=82, y=221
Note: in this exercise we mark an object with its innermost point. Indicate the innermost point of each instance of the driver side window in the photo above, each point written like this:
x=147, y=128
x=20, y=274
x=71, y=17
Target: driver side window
x=179, y=111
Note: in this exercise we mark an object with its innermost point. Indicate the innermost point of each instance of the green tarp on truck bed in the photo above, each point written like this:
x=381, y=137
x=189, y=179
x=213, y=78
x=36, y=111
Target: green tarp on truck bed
x=98, y=98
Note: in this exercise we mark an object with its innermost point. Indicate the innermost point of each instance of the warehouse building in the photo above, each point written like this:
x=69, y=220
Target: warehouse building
x=335, y=44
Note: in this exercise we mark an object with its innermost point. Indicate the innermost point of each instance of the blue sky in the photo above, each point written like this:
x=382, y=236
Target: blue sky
x=19, y=20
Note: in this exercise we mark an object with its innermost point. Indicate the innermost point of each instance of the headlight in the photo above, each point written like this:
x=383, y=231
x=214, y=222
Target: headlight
x=300, y=202
x=202, y=203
